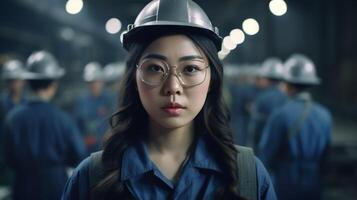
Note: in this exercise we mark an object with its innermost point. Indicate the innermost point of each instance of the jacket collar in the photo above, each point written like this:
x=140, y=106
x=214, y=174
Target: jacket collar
x=303, y=96
x=136, y=161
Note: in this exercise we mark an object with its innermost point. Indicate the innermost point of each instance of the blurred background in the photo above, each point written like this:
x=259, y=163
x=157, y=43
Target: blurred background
x=77, y=32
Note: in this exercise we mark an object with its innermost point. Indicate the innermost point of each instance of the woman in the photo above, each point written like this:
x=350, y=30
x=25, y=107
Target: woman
x=170, y=138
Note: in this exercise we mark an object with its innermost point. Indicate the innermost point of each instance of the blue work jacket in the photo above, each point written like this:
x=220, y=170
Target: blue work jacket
x=8, y=104
x=263, y=106
x=40, y=142
x=242, y=100
x=200, y=177
x=92, y=116
x=294, y=152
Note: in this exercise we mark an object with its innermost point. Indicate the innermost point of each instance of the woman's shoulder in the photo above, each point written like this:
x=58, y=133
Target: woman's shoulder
x=265, y=186
x=77, y=186
x=83, y=167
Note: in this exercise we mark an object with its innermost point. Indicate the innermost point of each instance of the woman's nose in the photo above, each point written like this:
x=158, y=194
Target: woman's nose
x=172, y=85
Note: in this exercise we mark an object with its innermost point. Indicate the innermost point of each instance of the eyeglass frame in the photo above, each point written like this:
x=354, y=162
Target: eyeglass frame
x=166, y=74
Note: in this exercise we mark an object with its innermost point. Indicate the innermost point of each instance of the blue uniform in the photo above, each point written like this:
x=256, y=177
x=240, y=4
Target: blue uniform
x=114, y=94
x=264, y=105
x=92, y=114
x=6, y=104
x=40, y=142
x=114, y=99
x=242, y=99
x=200, y=177
x=294, y=153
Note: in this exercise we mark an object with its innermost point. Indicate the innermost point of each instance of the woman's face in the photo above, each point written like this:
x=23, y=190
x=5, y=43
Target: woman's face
x=169, y=103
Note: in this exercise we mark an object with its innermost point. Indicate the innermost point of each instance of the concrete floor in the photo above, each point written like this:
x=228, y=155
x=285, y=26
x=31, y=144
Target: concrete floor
x=341, y=176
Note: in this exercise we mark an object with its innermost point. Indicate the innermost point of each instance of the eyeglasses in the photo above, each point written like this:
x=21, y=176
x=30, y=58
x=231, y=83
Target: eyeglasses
x=189, y=72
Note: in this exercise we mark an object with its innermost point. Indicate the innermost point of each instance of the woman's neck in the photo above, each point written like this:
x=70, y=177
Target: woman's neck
x=169, y=148
x=173, y=141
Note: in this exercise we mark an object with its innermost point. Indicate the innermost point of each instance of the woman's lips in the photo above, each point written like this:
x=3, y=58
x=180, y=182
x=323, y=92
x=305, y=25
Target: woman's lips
x=173, y=109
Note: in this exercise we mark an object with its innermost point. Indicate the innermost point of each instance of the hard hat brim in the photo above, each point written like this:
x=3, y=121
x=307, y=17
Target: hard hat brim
x=316, y=81
x=13, y=77
x=38, y=76
x=148, y=30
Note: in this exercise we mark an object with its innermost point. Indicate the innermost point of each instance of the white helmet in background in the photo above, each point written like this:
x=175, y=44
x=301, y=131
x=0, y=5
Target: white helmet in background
x=43, y=65
x=272, y=68
x=113, y=71
x=13, y=69
x=93, y=72
x=300, y=70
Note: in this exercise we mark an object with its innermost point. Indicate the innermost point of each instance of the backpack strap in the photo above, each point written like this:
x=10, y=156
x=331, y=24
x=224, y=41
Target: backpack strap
x=96, y=170
x=295, y=129
x=247, y=173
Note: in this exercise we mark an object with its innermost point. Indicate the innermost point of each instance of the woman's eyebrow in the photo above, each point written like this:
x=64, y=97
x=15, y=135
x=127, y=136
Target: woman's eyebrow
x=184, y=58
x=191, y=57
x=157, y=56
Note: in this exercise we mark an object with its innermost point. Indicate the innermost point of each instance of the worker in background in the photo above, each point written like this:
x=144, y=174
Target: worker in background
x=243, y=89
x=267, y=101
x=94, y=107
x=13, y=74
x=297, y=135
x=113, y=73
x=41, y=140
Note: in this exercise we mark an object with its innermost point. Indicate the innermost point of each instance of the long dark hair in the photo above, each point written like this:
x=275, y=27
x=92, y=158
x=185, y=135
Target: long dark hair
x=212, y=122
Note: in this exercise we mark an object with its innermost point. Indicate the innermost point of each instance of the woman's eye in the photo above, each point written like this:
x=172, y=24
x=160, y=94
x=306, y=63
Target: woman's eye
x=191, y=69
x=155, y=68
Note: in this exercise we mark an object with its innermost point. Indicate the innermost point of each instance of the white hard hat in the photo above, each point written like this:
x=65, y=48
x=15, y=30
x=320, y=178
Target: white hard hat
x=93, y=72
x=163, y=15
x=272, y=68
x=13, y=69
x=300, y=70
x=43, y=65
x=113, y=71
